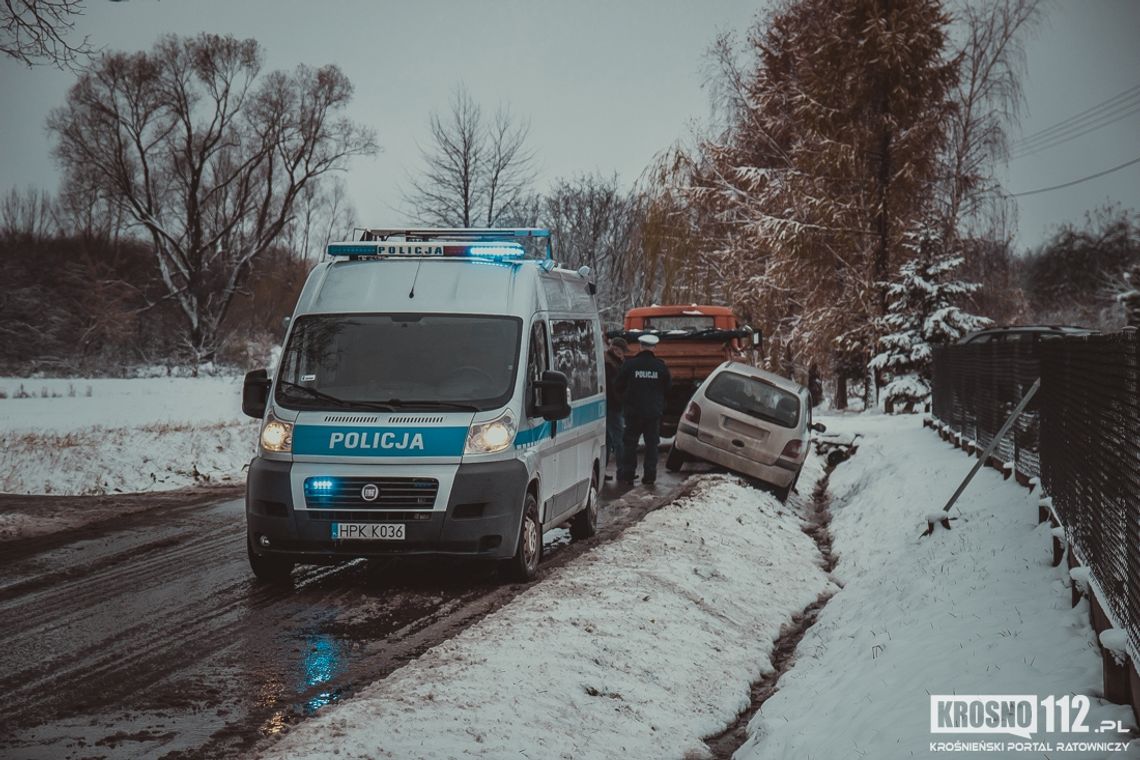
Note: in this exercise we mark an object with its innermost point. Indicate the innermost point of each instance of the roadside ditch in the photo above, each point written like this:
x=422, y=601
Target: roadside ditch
x=817, y=516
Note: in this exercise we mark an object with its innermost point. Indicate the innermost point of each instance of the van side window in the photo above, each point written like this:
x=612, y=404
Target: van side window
x=536, y=363
x=574, y=355
x=556, y=298
x=580, y=298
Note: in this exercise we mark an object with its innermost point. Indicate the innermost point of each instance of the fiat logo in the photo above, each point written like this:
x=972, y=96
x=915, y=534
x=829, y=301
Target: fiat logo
x=370, y=492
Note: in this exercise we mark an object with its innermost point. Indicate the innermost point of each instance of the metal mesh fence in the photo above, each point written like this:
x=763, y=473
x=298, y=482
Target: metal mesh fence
x=1081, y=436
x=975, y=389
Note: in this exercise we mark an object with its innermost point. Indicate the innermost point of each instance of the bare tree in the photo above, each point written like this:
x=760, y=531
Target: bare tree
x=322, y=214
x=39, y=31
x=594, y=223
x=507, y=167
x=474, y=172
x=206, y=156
x=989, y=99
x=27, y=215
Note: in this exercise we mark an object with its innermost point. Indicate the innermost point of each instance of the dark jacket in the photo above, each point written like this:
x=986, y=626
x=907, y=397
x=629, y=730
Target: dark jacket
x=613, y=366
x=643, y=382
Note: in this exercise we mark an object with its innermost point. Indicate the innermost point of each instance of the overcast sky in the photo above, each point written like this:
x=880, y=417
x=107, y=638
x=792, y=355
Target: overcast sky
x=606, y=85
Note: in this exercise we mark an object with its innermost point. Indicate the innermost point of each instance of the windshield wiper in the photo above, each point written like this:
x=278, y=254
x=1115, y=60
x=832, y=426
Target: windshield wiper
x=430, y=404
x=322, y=396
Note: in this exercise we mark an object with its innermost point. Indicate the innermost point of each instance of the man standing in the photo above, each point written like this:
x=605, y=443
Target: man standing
x=642, y=382
x=615, y=430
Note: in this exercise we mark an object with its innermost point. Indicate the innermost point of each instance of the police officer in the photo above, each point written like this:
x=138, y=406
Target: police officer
x=615, y=429
x=642, y=382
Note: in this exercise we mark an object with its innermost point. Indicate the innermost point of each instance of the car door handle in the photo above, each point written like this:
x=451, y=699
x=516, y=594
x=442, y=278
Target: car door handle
x=737, y=442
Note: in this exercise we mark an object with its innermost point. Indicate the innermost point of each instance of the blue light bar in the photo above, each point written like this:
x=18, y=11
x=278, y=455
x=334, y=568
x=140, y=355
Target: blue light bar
x=317, y=486
x=494, y=250
x=431, y=249
x=353, y=249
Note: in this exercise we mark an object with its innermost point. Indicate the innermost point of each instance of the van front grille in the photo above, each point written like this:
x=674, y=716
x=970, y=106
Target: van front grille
x=390, y=493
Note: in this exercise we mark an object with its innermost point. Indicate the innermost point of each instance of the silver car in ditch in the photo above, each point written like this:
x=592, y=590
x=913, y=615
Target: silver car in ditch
x=750, y=421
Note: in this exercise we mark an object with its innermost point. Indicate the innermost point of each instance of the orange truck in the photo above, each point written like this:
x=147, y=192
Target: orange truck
x=694, y=340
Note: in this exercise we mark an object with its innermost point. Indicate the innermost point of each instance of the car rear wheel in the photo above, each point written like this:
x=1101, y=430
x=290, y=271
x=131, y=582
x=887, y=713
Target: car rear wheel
x=268, y=569
x=524, y=565
x=585, y=523
x=782, y=493
x=676, y=459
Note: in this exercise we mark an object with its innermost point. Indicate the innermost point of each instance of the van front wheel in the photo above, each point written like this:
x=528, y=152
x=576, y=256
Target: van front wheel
x=523, y=566
x=585, y=523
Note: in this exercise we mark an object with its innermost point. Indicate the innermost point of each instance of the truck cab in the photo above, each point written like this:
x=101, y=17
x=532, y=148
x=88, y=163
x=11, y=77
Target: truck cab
x=695, y=339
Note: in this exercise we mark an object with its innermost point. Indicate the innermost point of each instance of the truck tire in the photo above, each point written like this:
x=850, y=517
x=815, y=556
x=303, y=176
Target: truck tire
x=676, y=459
x=585, y=523
x=268, y=569
x=523, y=567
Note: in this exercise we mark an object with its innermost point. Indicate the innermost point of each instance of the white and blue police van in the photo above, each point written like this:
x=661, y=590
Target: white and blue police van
x=440, y=392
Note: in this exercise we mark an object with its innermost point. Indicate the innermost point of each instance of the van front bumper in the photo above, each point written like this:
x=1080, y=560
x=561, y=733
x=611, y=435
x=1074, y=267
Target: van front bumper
x=780, y=474
x=482, y=518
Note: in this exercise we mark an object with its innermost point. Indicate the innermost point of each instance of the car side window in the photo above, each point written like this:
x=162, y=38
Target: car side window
x=537, y=362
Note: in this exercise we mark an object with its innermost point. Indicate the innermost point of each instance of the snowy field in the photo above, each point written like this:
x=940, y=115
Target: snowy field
x=77, y=436
x=976, y=610
x=638, y=649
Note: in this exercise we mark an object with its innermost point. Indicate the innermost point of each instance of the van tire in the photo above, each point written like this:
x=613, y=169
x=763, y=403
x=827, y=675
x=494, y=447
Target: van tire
x=585, y=524
x=676, y=459
x=268, y=569
x=523, y=567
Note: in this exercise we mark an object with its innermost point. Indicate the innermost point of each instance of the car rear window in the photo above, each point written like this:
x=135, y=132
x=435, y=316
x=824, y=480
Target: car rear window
x=754, y=397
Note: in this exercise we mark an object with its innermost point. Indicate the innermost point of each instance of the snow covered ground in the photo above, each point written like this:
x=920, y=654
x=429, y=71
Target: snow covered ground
x=976, y=610
x=647, y=644
x=639, y=648
x=77, y=436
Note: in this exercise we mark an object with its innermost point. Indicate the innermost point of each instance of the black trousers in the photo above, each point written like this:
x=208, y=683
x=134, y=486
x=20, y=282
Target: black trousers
x=639, y=426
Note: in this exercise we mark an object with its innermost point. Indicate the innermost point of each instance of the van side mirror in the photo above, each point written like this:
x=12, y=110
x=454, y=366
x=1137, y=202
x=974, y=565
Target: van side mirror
x=255, y=393
x=552, y=396
x=819, y=427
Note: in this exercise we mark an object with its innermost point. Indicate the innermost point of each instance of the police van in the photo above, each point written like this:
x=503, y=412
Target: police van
x=440, y=392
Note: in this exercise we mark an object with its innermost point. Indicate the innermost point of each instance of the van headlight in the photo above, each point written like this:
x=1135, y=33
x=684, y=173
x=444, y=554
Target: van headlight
x=277, y=435
x=489, y=437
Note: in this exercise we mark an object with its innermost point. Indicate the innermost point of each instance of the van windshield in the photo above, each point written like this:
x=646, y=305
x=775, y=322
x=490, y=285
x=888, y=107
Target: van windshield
x=399, y=361
x=755, y=397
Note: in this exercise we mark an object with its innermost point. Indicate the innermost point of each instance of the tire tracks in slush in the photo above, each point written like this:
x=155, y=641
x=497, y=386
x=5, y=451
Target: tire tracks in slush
x=152, y=641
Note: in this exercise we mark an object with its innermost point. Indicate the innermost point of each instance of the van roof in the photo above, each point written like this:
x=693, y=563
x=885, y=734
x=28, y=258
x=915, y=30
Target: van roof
x=440, y=284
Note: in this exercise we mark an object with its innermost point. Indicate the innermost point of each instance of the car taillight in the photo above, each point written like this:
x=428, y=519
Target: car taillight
x=792, y=449
x=693, y=413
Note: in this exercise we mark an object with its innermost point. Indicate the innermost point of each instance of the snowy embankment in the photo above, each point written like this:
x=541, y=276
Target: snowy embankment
x=638, y=648
x=76, y=436
x=974, y=610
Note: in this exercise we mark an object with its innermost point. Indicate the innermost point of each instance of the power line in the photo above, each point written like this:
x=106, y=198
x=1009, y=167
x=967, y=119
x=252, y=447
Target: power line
x=1078, y=130
x=1092, y=112
x=1076, y=181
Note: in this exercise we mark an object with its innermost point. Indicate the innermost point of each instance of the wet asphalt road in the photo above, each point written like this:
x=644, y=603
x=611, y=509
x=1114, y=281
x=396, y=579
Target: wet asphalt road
x=151, y=639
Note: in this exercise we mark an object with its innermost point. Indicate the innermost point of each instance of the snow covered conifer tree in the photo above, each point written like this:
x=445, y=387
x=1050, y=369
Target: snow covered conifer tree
x=923, y=312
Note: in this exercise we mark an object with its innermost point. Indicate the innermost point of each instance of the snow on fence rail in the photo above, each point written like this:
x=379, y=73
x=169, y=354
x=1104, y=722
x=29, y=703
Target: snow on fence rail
x=1080, y=437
